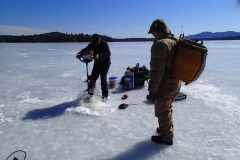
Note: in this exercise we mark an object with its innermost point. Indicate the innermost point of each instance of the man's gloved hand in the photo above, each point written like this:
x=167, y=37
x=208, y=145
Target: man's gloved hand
x=79, y=54
x=151, y=97
x=96, y=56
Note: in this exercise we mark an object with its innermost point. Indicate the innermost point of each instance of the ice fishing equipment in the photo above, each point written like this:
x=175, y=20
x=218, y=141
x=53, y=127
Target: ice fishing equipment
x=113, y=82
x=129, y=80
x=15, y=158
x=141, y=74
x=87, y=57
x=180, y=96
x=124, y=105
x=125, y=96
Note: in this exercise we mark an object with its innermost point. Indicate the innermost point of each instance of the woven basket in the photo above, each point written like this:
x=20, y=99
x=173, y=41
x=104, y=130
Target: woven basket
x=189, y=60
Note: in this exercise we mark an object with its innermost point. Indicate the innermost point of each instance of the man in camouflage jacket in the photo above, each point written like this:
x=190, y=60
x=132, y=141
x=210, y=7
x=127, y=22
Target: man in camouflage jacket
x=161, y=83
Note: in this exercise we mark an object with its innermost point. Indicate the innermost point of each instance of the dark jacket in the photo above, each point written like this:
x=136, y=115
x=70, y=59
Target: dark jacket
x=102, y=49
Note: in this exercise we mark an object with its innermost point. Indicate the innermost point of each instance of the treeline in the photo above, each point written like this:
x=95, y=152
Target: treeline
x=133, y=39
x=64, y=37
x=52, y=37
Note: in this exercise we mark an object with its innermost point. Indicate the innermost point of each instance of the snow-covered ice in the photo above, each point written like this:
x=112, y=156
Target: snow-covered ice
x=42, y=111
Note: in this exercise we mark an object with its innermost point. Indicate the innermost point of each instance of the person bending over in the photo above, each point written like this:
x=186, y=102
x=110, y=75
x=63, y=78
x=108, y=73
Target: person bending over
x=102, y=62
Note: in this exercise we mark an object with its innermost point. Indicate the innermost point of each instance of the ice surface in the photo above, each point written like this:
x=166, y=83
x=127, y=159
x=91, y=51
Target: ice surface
x=43, y=113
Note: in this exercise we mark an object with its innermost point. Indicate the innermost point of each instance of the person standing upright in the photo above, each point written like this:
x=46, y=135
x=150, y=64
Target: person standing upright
x=162, y=84
x=102, y=62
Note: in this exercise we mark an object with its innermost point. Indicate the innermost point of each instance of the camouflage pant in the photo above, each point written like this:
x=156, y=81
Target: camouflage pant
x=166, y=94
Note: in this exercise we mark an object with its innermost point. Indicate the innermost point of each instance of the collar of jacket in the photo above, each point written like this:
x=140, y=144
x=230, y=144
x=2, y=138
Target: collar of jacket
x=163, y=34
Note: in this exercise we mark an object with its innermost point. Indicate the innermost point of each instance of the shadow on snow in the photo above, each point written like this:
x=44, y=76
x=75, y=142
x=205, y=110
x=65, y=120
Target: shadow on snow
x=141, y=150
x=49, y=112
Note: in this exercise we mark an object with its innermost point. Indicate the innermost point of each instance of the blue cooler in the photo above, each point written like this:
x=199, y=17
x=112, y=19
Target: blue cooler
x=129, y=80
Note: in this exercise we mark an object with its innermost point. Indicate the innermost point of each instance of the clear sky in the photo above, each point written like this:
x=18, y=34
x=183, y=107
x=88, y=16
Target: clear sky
x=117, y=18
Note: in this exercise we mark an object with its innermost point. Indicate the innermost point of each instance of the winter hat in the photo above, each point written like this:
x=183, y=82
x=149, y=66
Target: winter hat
x=95, y=38
x=158, y=24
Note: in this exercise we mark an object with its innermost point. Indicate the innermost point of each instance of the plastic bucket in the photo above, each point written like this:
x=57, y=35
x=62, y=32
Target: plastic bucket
x=113, y=82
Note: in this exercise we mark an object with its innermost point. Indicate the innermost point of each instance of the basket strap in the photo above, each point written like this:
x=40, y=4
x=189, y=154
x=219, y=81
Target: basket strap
x=196, y=40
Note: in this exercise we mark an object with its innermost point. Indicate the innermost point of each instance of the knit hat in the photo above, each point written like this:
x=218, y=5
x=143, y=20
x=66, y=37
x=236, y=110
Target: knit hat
x=95, y=38
x=158, y=24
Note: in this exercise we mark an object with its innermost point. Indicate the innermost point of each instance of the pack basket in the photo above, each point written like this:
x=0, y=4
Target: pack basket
x=189, y=60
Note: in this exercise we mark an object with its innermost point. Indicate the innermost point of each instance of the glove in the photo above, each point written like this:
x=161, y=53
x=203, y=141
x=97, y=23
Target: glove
x=151, y=97
x=96, y=56
x=79, y=54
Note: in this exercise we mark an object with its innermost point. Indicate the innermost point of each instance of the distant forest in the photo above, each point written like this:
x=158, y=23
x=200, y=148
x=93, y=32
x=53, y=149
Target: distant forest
x=52, y=37
x=64, y=37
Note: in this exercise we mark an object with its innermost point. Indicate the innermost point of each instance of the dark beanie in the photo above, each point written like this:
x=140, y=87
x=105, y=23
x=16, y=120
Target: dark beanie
x=95, y=38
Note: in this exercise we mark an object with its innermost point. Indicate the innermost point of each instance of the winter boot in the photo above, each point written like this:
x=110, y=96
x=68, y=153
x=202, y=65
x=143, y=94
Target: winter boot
x=159, y=140
x=104, y=98
x=158, y=131
x=90, y=92
x=91, y=87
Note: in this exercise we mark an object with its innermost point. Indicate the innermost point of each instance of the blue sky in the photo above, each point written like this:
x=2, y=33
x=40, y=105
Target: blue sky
x=117, y=18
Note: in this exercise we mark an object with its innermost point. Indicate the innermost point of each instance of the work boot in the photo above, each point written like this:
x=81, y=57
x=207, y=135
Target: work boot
x=159, y=140
x=90, y=92
x=91, y=87
x=104, y=99
x=158, y=130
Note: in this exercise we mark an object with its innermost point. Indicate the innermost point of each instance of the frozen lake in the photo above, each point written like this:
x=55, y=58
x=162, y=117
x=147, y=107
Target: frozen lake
x=42, y=112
